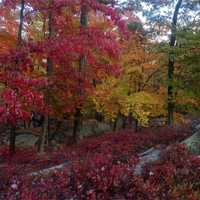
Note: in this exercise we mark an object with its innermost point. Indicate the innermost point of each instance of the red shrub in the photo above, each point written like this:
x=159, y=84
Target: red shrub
x=102, y=169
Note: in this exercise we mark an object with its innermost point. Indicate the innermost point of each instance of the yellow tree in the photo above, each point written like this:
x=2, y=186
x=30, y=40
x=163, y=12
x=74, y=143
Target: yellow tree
x=132, y=93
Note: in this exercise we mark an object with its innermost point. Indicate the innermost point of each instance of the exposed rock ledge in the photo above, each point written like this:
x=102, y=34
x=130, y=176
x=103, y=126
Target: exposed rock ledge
x=148, y=157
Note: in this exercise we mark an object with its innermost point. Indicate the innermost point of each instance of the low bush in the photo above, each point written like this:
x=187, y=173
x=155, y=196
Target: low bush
x=102, y=168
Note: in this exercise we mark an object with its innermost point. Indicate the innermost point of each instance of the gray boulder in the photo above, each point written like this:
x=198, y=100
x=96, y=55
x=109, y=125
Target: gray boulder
x=94, y=128
x=197, y=128
x=148, y=157
x=26, y=140
x=195, y=124
x=193, y=143
x=157, y=122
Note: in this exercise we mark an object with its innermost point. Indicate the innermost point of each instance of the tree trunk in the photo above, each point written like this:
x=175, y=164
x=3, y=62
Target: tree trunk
x=116, y=121
x=171, y=104
x=12, y=140
x=98, y=117
x=19, y=41
x=136, y=125
x=43, y=136
x=77, y=124
x=45, y=133
x=21, y=22
x=124, y=119
x=115, y=124
x=82, y=64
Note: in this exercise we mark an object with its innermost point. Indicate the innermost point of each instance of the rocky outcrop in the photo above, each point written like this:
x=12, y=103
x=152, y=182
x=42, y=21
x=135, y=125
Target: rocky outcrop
x=50, y=170
x=153, y=155
x=193, y=142
x=26, y=140
x=145, y=158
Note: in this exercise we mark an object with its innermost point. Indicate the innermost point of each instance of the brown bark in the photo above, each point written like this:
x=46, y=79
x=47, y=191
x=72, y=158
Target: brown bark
x=45, y=132
x=82, y=64
x=19, y=41
x=171, y=104
x=12, y=140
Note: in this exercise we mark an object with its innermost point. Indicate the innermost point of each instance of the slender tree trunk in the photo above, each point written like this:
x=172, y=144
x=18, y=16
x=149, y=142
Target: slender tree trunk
x=77, y=124
x=171, y=103
x=136, y=125
x=43, y=136
x=82, y=64
x=21, y=23
x=19, y=41
x=12, y=140
x=98, y=117
x=124, y=119
x=116, y=121
x=45, y=133
x=115, y=124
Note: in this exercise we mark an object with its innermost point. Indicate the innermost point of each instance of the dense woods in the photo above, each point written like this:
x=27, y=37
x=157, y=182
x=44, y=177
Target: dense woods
x=99, y=100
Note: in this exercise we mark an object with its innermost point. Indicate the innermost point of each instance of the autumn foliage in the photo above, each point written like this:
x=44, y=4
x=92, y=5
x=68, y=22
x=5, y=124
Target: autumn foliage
x=76, y=62
x=102, y=168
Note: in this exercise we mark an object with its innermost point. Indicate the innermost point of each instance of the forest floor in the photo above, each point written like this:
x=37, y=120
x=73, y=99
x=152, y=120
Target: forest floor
x=102, y=168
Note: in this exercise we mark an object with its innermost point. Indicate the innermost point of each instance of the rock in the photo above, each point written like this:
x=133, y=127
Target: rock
x=51, y=169
x=54, y=145
x=157, y=122
x=101, y=128
x=26, y=140
x=147, y=157
x=195, y=124
x=93, y=128
x=58, y=137
x=152, y=155
x=197, y=128
x=29, y=131
x=4, y=138
x=193, y=143
x=119, y=123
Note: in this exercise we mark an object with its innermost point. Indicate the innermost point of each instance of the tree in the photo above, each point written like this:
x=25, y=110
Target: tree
x=65, y=50
x=82, y=65
x=131, y=92
x=17, y=92
x=45, y=134
x=171, y=65
x=164, y=19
